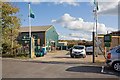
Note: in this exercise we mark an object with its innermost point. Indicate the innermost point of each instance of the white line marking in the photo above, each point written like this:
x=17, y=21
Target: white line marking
x=102, y=70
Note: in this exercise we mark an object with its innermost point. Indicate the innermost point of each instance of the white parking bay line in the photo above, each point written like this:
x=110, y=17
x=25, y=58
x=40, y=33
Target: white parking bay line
x=102, y=70
x=106, y=72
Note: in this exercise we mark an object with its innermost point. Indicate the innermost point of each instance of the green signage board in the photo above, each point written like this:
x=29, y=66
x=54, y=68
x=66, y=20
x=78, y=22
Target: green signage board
x=107, y=44
x=107, y=38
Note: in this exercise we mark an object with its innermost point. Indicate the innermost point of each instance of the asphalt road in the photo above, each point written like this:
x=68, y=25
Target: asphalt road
x=55, y=65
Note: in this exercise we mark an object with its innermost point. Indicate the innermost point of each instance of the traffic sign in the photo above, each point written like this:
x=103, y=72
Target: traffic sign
x=107, y=38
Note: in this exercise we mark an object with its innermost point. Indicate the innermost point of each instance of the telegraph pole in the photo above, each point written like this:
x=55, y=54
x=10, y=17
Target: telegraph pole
x=30, y=38
x=93, y=35
x=96, y=21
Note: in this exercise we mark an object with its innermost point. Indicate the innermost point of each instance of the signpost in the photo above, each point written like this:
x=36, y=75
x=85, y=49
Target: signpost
x=107, y=44
x=107, y=41
x=107, y=38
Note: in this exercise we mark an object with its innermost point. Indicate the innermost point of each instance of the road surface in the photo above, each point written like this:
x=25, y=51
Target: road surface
x=55, y=65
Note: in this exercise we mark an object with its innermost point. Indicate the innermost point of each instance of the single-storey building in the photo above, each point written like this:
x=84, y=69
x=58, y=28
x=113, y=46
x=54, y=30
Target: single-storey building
x=63, y=45
x=44, y=36
x=115, y=39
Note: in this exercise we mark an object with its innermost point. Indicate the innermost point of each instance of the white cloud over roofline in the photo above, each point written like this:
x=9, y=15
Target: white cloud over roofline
x=67, y=37
x=72, y=23
x=76, y=36
x=82, y=36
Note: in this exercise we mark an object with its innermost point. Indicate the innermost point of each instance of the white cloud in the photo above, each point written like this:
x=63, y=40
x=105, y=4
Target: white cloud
x=109, y=7
x=72, y=23
x=67, y=37
x=62, y=0
x=82, y=36
x=66, y=18
x=76, y=36
x=33, y=1
x=70, y=2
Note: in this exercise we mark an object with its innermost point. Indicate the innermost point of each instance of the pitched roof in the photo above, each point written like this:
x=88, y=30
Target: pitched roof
x=35, y=28
x=101, y=34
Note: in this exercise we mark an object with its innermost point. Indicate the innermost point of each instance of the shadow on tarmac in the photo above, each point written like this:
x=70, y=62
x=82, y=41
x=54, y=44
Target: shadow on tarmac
x=61, y=62
x=63, y=57
x=93, y=69
x=88, y=67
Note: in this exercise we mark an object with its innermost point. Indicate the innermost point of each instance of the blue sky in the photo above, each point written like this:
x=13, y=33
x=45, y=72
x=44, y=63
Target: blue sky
x=48, y=11
x=45, y=12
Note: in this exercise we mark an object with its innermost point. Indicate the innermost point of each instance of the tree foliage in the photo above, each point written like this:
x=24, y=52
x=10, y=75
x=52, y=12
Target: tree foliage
x=10, y=27
x=77, y=42
x=0, y=29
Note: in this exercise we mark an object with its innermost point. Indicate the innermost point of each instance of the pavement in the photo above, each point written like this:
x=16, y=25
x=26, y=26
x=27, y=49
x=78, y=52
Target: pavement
x=56, y=64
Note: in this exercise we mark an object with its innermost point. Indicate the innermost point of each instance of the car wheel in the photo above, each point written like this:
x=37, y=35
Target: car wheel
x=116, y=66
x=84, y=56
x=91, y=53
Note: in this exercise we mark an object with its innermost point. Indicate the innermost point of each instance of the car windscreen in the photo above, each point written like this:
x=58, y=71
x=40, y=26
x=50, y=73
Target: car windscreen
x=78, y=47
x=118, y=50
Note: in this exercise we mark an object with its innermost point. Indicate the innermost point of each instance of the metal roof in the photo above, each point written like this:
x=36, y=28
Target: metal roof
x=35, y=28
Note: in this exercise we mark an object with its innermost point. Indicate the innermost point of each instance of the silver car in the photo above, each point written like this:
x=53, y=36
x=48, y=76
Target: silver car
x=113, y=58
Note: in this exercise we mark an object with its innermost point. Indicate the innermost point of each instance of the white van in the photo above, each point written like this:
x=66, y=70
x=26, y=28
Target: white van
x=89, y=49
x=78, y=51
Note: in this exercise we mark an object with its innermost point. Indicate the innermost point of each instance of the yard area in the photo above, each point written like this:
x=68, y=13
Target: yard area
x=63, y=56
x=56, y=65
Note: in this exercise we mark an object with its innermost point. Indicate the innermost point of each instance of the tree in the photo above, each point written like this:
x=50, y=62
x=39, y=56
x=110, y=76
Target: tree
x=10, y=27
x=0, y=30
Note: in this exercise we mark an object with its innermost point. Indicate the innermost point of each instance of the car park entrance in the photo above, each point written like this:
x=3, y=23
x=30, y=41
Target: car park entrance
x=57, y=65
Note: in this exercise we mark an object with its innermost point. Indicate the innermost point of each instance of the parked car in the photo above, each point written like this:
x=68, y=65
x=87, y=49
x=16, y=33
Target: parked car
x=113, y=58
x=89, y=49
x=78, y=51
